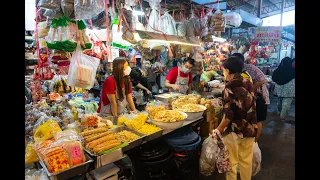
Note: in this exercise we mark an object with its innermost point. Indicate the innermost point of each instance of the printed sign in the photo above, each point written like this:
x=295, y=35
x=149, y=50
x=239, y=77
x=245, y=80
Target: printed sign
x=266, y=33
x=114, y=53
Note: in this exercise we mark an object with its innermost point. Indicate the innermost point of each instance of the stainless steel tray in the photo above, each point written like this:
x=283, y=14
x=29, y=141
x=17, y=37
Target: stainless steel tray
x=166, y=97
x=69, y=173
x=132, y=144
x=102, y=160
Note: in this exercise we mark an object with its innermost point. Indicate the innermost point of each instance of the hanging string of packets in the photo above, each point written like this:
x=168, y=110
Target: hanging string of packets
x=63, y=35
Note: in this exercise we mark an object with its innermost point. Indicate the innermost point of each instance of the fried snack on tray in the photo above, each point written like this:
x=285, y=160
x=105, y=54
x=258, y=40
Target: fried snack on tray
x=189, y=108
x=99, y=141
x=96, y=136
x=126, y=136
x=106, y=143
x=168, y=116
x=149, y=129
x=107, y=147
x=93, y=131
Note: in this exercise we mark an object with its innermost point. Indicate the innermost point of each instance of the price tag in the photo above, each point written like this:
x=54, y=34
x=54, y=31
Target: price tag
x=114, y=53
x=76, y=155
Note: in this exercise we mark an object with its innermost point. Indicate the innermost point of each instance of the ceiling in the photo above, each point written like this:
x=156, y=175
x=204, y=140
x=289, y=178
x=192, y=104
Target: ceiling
x=269, y=7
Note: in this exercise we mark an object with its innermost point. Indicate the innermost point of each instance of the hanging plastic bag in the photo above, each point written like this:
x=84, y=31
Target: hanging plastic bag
x=63, y=35
x=190, y=32
x=215, y=151
x=36, y=175
x=256, y=159
x=99, y=21
x=181, y=29
x=116, y=35
x=233, y=19
x=43, y=28
x=131, y=3
x=154, y=18
x=82, y=69
x=49, y=13
x=194, y=21
x=67, y=7
x=86, y=9
x=168, y=24
x=218, y=21
x=207, y=157
x=49, y=4
x=128, y=24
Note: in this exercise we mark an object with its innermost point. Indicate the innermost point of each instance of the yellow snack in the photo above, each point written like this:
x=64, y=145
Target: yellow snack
x=137, y=122
x=182, y=100
x=152, y=110
x=189, y=108
x=122, y=120
x=31, y=154
x=168, y=116
x=126, y=136
x=148, y=129
x=46, y=130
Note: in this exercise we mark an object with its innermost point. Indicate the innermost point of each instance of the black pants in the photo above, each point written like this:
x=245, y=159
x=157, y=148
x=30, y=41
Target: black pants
x=261, y=108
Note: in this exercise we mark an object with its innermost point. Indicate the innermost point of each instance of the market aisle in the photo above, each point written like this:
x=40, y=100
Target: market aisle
x=277, y=146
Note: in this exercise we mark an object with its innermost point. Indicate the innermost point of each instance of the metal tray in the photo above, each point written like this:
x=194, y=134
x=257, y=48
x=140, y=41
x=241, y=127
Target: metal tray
x=134, y=143
x=102, y=160
x=69, y=173
x=166, y=97
x=153, y=135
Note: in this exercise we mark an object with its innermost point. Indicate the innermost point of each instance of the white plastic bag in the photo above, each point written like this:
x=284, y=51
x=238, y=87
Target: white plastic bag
x=256, y=159
x=168, y=24
x=130, y=3
x=86, y=9
x=82, y=69
x=181, y=29
x=208, y=156
x=233, y=19
x=154, y=18
x=195, y=23
x=49, y=4
x=117, y=36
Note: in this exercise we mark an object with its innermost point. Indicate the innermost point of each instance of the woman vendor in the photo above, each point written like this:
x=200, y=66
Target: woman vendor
x=117, y=90
x=179, y=78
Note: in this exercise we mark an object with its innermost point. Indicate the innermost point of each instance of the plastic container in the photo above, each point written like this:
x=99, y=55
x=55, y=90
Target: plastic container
x=182, y=137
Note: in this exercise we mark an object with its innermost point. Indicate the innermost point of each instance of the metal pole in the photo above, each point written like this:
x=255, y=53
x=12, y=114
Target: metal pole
x=281, y=15
x=259, y=8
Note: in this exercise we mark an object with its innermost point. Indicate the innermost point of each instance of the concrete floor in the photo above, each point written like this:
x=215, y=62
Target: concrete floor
x=277, y=144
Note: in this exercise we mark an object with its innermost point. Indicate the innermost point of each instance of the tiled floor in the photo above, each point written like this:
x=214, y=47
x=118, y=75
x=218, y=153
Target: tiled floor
x=277, y=144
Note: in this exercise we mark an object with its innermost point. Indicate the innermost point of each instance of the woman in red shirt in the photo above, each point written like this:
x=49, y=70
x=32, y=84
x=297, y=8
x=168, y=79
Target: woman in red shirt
x=179, y=79
x=117, y=90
